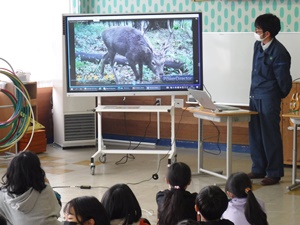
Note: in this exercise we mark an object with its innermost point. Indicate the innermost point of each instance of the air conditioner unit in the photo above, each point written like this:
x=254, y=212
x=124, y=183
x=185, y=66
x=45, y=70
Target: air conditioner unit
x=74, y=119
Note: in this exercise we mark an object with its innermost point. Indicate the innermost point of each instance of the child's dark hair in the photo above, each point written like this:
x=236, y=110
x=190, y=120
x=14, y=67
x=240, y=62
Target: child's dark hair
x=2, y=220
x=268, y=22
x=211, y=202
x=240, y=185
x=188, y=222
x=121, y=203
x=179, y=177
x=88, y=207
x=24, y=172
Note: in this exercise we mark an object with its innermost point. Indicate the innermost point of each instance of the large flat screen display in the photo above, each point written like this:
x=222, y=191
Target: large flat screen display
x=132, y=54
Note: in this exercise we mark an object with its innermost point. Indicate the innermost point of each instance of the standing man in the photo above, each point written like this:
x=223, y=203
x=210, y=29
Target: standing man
x=271, y=81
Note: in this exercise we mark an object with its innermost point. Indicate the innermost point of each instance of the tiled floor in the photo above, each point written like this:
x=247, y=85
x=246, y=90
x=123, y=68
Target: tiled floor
x=68, y=169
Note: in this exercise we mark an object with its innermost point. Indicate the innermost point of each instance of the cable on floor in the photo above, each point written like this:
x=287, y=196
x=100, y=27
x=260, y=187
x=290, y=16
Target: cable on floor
x=130, y=156
x=80, y=187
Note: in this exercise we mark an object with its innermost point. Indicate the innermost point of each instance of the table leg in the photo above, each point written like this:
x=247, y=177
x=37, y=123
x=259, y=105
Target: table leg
x=200, y=169
x=229, y=147
x=294, y=166
x=200, y=144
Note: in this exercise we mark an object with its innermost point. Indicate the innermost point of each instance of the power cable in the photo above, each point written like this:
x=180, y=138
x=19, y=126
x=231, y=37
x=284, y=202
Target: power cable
x=217, y=128
x=130, y=156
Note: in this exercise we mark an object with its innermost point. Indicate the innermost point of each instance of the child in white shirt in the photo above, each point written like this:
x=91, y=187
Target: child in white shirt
x=243, y=207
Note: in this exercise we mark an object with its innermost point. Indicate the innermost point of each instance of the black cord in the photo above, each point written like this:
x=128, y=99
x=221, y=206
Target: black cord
x=218, y=140
x=127, y=156
x=125, y=126
x=81, y=187
x=155, y=175
x=218, y=135
x=140, y=181
x=130, y=156
x=145, y=132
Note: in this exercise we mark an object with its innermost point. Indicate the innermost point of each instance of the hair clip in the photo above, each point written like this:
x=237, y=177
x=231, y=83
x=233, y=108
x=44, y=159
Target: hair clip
x=247, y=190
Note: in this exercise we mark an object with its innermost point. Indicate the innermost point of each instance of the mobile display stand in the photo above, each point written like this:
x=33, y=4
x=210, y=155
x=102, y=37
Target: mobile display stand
x=102, y=151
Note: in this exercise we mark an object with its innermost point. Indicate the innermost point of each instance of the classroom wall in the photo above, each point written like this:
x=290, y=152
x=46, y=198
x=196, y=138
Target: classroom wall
x=227, y=37
x=218, y=15
x=31, y=37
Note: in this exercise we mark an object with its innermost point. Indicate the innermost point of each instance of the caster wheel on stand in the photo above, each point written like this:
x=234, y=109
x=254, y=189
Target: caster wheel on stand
x=102, y=158
x=92, y=168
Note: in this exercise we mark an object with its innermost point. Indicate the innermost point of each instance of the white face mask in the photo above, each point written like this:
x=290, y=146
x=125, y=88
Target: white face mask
x=257, y=37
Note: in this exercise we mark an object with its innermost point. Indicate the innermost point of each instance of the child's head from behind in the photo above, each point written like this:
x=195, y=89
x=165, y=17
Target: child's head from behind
x=121, y=203
x=24, y=172
x=86, y=210
x=188, y=222
x=237, y=184
x=179, y=175
x=211, y=202
x=2, y=220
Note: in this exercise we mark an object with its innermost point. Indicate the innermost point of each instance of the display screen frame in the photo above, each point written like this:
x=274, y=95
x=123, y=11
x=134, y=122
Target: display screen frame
x=82, y=66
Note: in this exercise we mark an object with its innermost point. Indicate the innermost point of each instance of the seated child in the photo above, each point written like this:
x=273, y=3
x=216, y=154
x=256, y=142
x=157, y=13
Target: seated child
x=211, y=202
x=243, y=208
x=176, y=204
x=85, y=210
x=25, y=195
x=188, y=222
x=122, y=206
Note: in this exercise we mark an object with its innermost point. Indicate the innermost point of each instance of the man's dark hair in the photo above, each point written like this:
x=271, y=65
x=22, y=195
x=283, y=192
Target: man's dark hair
x=268, y=22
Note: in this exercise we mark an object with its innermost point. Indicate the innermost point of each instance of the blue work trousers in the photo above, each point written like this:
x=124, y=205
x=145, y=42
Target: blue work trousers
x=265, y=137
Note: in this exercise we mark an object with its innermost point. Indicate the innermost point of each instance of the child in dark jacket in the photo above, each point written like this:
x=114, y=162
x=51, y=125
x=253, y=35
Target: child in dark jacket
x=211, y=203
x=176, y=204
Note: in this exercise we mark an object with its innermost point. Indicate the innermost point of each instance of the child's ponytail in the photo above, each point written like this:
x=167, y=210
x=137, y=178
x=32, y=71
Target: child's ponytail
x=253, y=211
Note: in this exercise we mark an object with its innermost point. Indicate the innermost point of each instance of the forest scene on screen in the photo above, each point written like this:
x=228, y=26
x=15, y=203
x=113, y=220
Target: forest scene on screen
x=133, y=52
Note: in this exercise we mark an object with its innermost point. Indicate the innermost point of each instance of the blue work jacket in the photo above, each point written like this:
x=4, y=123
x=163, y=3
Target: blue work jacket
x=271, y=76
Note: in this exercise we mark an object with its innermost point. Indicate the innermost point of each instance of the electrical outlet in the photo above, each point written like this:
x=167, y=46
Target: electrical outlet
x=158, y=101
x=178, y=103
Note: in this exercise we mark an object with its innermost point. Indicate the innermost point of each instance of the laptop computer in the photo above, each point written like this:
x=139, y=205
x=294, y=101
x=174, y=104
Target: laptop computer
x=203, y=98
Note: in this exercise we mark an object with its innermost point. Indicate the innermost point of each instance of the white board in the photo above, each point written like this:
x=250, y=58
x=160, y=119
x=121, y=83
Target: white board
x=227, y=63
